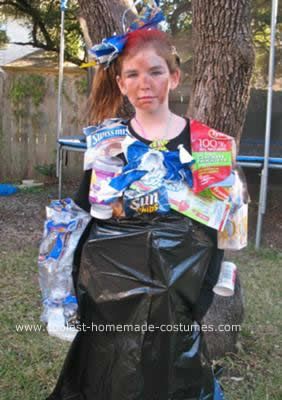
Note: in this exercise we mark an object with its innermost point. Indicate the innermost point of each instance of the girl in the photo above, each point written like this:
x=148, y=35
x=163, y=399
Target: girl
x=154, y=272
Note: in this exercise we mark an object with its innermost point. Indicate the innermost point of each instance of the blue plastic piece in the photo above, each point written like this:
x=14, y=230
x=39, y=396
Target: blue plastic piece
x=70, y=300
x=6, y=189
x=217, y=393
x=73, y=141
x=64, y=5
x=176, y=171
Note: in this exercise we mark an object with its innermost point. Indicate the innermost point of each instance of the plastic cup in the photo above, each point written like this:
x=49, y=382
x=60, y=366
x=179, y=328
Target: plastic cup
x=226, y=282
x=101, y=211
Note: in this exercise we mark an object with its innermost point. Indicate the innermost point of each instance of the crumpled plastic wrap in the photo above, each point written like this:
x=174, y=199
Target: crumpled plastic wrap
x=138, y=272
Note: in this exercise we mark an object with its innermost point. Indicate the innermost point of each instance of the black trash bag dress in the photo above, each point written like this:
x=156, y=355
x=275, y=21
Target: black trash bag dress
x=143, y=278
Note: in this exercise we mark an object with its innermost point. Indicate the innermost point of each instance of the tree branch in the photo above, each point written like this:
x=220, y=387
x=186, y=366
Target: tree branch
x=41, y=36
x=8, y=3
x=26, y=8
x=24, y=43
x=68, y=56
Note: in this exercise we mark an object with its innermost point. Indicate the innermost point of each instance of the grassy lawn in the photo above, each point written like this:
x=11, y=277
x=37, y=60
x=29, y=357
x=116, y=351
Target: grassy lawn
x=254, y=373
x=31, y=361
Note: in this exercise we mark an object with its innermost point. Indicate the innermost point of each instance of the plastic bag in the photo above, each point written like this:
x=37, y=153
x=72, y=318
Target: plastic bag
x=137, y=273
x=152, y=167
x=7, y=189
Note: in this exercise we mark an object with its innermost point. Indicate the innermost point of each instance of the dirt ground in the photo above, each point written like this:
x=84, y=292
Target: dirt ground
x=22, y=215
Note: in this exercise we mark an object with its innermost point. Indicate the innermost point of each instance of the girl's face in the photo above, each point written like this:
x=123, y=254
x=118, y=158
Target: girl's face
x=146, y=80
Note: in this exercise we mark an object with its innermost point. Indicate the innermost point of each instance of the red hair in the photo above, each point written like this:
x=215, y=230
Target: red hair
x=155, y=39
x=106, y=100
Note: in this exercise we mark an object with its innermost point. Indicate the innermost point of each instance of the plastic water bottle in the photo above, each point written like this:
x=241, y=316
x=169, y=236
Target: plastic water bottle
x=104, y=168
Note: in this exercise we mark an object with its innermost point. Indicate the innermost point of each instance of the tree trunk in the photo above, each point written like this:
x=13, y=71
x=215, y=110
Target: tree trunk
x=225, y=313
x=102, y=18
x=223, y=64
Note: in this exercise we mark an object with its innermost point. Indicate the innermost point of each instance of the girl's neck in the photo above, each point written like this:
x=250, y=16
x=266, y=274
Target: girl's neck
x=157, y=126
x=152, y=125
x=155, y=117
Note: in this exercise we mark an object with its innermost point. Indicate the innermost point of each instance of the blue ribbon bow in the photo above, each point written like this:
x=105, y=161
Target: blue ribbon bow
x=176, y=171
x=111, y=47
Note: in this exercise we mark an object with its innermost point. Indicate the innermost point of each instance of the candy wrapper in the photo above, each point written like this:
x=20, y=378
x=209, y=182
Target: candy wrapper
x=206, y=210
x=212, y=152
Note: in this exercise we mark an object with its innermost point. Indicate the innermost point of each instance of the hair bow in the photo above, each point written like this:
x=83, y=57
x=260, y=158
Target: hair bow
x=104, y=53
x=176, y=168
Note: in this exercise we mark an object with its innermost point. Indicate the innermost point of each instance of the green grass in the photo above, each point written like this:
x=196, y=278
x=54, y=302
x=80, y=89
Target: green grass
x=31, y=362
x=32, y=189
x=259, y=359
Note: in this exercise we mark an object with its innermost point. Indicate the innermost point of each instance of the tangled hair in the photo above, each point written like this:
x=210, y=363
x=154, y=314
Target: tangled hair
x=106, y=100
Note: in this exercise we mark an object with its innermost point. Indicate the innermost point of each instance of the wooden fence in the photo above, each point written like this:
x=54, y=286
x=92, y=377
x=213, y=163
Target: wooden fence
x=28, y=121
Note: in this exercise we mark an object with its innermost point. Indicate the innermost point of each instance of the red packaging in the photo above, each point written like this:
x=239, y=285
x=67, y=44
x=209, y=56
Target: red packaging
x=212, y=151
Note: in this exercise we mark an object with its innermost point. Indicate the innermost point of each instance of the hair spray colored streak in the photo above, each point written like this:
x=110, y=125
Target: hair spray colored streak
x=142, y=38
x=158, y=40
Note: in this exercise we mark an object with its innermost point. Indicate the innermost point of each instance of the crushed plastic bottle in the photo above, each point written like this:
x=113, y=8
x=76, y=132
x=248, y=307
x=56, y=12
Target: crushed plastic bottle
x=70, y=310
x=56, y=324
x=62, y=230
